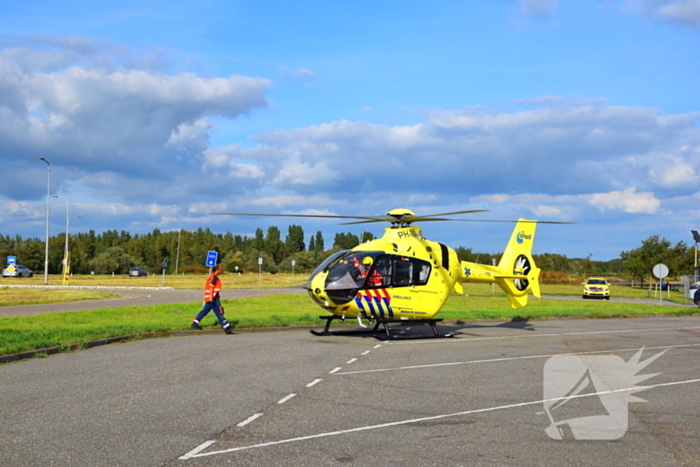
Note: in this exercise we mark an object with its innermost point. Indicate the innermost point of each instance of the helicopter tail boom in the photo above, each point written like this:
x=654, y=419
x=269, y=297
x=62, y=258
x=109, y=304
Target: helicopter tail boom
x=521, y=274
x=516, y=273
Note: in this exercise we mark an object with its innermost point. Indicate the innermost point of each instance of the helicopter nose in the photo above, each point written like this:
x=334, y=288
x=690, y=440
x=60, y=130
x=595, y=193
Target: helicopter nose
x=315, y=288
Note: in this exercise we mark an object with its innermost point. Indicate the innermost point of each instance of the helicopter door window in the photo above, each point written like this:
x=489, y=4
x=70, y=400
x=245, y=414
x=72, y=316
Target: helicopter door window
x=404, y=273
x=384, y=267
x=423, y=273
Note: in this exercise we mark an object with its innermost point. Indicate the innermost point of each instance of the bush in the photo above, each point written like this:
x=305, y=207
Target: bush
x=550, y=277
x=193, y=269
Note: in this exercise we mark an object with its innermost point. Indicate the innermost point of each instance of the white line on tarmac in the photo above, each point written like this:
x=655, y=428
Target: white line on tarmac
x=506, y=359
x=472, y=339
x=249, y=419
x=285, y=398
x=335, y=370
x=314, y=382
x=365, y=352
x=377, y=346
x=438, y=417
x=352, y=360
x=197, y=450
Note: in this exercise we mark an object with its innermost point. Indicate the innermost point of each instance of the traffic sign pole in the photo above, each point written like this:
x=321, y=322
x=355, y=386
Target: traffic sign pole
x=660, y=271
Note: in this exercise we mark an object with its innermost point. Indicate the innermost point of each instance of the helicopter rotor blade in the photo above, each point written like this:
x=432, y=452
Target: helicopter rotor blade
x=320, y=216
x=449, y=214
x=524, y=221
x=404, y=219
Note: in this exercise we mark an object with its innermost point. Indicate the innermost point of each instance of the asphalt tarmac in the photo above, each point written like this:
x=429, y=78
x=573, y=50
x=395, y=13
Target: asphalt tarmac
x=484, y=397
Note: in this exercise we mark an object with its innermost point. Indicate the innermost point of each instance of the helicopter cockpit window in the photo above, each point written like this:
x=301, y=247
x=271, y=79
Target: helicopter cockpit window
x=326, y=262
x=350, y=271
x=370, y=270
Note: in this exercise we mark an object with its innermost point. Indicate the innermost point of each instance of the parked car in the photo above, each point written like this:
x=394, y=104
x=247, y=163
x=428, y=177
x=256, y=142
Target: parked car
x=694, y=293
x=137, y=272
x=17, y=270
x=596, y=287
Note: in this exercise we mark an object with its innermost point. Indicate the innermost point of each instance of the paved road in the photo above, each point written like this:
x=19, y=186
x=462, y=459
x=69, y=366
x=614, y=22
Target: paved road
x=476, y=399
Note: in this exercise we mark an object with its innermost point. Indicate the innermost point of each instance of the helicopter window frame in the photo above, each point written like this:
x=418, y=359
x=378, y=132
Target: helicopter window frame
x=346, y=271
x=403, y=273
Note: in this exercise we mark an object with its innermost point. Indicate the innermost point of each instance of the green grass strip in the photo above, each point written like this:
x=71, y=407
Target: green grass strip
x=63, y=329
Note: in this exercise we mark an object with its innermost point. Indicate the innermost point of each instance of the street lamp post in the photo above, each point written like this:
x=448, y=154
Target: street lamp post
x=48, y=210
x=67, y=267
x=696, y=237
x=65, y=249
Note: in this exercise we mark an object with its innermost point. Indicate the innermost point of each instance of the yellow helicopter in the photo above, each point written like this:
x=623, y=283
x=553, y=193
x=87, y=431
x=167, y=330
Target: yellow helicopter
x=403, y=277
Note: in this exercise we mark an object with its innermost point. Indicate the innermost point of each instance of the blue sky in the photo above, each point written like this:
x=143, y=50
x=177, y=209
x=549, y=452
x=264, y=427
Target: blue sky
x=154, y=113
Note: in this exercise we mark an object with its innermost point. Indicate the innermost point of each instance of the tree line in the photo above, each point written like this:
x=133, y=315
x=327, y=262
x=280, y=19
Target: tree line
x=186, y=251
x=116, y=252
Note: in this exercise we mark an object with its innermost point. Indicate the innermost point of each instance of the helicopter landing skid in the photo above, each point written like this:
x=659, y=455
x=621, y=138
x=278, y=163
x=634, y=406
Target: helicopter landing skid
x=387, y=335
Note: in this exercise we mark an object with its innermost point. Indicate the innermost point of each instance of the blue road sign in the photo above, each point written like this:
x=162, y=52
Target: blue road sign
x=11, y=260
x=212, y=256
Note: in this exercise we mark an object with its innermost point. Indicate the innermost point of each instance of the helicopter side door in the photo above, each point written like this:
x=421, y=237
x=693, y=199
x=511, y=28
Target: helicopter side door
x=394, y=281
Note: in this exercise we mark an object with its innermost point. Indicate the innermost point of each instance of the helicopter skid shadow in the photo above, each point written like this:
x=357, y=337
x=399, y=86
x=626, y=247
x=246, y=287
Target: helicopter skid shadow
x=383, y=331
x=460, y=328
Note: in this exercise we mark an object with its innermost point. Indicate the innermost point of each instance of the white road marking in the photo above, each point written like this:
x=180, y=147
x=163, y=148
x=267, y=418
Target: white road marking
x=438, y=417
x=313, y=383
x=335, y=370
x=472, y=339
x=365, y=352
x=506, y=359
x=377, y=346
x=197, y=450
x=249, y=419
x=352, y=360
x=285, y=398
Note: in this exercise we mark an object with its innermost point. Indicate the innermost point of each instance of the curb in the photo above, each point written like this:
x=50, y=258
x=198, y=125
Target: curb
x=75, y=287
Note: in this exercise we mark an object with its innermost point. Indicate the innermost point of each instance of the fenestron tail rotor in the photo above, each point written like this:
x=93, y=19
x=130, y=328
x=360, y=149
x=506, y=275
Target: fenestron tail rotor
x=522, y=266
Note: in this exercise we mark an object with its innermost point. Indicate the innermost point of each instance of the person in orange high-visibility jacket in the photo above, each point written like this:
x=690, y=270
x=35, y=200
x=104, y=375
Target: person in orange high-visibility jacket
x=212, y=288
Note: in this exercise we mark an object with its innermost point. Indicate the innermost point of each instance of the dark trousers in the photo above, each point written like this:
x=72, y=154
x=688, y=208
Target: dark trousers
x=214, y=306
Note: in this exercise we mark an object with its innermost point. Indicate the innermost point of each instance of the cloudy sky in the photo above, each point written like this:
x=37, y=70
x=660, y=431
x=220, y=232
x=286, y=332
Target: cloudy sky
x=154, y=113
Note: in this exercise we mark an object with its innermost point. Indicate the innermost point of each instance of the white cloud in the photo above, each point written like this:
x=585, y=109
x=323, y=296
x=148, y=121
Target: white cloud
x=678, y=12
x=537, y=7
x=563, y=150
x=629, y=201
x=299, y=75
x=542, y=211
x=283, y=201
x=295, y=173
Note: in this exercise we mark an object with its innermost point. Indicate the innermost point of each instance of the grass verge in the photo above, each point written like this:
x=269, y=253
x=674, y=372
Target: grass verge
x=13, y=297
x=66, y=329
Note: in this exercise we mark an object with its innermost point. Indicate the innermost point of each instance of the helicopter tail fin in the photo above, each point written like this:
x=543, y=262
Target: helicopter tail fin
x=519, y=274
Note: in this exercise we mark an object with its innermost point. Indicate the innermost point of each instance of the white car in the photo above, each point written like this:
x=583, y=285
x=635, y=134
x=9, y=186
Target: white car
x=17, y=270
x=694, y=293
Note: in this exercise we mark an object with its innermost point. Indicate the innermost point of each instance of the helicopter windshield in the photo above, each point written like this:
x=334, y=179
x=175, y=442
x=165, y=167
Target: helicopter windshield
x=351, y=271
x=326, y=262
